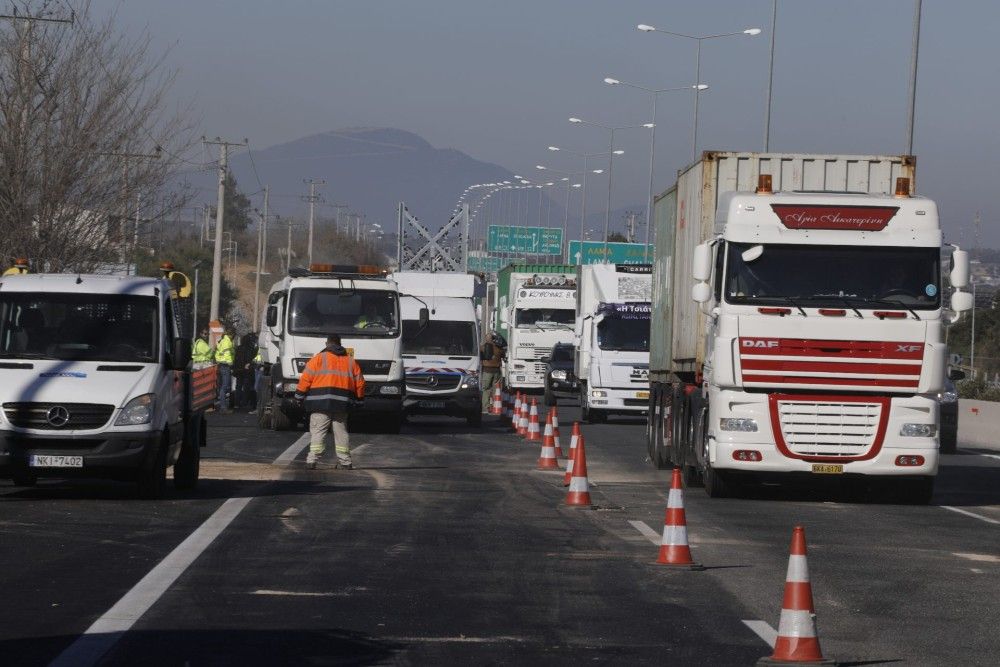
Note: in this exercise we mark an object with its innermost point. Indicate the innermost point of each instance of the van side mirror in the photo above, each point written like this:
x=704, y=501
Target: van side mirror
x=272, y=316
x=180, y=354
x=701, y=265
x=424, y=317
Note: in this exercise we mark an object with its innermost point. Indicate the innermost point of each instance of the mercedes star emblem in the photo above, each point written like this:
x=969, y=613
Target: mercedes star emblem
x=57, y=416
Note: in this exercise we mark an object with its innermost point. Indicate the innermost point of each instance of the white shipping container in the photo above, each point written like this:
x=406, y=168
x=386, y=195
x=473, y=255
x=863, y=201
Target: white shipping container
x=684, y=216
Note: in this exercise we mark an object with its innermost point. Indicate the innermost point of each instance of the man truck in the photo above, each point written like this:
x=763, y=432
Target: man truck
x=536, y=308
x=612, y=339
x=798, y=326
x=359, y=303
x=98, y=381
x=441, y=352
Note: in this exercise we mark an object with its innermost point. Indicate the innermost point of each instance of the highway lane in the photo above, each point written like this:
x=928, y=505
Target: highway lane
x=448, y=546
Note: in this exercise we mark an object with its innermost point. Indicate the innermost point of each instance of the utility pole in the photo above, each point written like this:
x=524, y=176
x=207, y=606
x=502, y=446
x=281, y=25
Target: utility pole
x=261, y=240
x=312, y=198
x=288, y=250
x=213, y=315
x=630, y=225
x=336, y=215
x=125, y=156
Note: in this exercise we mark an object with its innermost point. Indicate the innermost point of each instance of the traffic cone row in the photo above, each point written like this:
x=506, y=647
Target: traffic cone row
x=574, y=438
x=547, y=459
x=534, y=432
x=554, y=416
x=497, y=407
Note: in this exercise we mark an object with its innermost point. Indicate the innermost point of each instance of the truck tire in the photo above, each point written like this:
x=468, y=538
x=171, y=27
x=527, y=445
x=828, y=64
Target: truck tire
x=664, y=444
x=949, y=443
x=151, y=484
x=264, y=408
x=651, y=426
x=690, y=472
x=188, y=464
x=679, y=430
x=279, y=420
x=717, y=483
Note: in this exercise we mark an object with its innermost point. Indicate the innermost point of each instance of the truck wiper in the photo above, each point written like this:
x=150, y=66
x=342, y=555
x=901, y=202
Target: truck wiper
x=791, y=301
x=897, y=304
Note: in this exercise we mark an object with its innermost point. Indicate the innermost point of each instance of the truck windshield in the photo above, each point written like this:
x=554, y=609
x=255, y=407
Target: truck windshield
x=350, y=312
x=544, y=317
x=829, y=276
x=623, y=335
x=440, y=337
x=85, y=327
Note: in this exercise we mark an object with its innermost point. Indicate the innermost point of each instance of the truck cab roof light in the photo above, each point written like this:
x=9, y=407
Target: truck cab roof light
x=355, y=269
x=832, y=312
x=902, y=186
x=767, y=310
x=764, y=184
x=889, y=314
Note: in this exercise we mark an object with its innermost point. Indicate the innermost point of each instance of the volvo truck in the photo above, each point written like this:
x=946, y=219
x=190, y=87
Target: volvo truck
x=798, y=320
x=359, y=303
x=612, y=339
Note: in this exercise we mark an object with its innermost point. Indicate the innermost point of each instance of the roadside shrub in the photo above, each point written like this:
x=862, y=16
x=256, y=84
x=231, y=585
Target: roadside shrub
x=979, y=389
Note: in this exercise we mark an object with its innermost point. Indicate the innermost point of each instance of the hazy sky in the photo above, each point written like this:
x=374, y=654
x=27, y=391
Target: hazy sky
x=499, y=80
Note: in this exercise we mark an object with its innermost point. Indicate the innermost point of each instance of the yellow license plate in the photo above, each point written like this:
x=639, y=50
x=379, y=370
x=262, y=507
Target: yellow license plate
x=642, y=394
x=828, y=468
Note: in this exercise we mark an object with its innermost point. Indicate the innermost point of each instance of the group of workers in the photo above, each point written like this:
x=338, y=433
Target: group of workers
x=225, y=355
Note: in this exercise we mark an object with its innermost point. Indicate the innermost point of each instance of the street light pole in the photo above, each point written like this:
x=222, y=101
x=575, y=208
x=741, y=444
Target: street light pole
x=583, y=183
x=913, y=77
x=770, y=78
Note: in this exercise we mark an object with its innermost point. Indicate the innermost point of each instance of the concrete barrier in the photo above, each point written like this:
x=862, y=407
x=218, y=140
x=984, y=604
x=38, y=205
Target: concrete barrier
x=978, y=424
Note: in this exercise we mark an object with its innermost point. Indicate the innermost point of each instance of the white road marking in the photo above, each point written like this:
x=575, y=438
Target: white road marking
x=764, y=631
x=286, y=457
x=980, y=558
x=109, y=628
x=646, y=531
x=461, y=639
x=286, y=517
x=991, y=456
x=976, y=570
x=972, y=514
x=304, y=594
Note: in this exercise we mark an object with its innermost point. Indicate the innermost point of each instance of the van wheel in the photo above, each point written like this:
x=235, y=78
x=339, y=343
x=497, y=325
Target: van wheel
x=279, y=420
x=188, y=464
x=153, y=482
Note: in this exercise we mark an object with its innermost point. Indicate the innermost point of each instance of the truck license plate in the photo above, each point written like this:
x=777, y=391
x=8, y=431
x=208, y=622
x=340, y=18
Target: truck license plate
x=50, y=461
x=431, y=404
x=828, y=468
x=642, y=394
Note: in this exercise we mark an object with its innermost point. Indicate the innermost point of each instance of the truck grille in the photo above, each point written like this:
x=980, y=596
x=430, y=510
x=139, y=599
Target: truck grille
x=53, y=416
x=810, y=429
x=536, y=353
x=375, y=366
x=432, y=381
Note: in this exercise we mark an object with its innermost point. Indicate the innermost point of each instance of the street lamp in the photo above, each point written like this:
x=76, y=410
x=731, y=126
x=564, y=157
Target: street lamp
x=654, y=93
x=611, y=154
x=751, y=32
x=583, y=194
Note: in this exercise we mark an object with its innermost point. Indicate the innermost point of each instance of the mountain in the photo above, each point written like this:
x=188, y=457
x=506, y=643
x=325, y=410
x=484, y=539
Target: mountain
x=369, y=169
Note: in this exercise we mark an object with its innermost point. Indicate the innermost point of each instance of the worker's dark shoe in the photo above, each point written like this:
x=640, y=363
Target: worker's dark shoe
x=344, y=466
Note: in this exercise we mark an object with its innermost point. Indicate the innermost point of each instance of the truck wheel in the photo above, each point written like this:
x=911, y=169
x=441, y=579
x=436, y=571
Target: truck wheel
x=651, y=426
x=549, y=398
x=151, y=483
x=949, y=444
x=264, y=408
x=188, y=464
x=690, y=474
x=279, y=420
x=717, y=484
x=666, y=427
x=584, y=408
x=678, y=435
x=24, y=479
x=474, y=418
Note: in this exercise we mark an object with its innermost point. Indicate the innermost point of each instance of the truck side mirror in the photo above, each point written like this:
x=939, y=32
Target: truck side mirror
x=272, y=316
x=701, y=265
x=961, y=302
x=701, y=292
x=423, y=317
x=955, y=375
x=180, y=354
x=959, y=270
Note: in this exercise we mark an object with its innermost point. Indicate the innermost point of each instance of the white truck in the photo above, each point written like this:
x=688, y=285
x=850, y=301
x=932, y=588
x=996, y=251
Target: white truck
x=361, y=304
x=535, y=310
x=97, y=381
x=441, y=354
x=798, y=327
x=612, y=339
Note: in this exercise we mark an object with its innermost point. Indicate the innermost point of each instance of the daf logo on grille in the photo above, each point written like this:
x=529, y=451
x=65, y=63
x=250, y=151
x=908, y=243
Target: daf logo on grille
x=57, y=416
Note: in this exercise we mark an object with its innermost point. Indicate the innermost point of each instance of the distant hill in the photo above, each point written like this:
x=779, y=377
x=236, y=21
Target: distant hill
x=370, y=169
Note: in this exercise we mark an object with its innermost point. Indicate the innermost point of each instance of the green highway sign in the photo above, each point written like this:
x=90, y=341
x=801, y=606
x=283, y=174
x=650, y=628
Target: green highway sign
x=617, y=253
x=487, y=264
x=525, y=240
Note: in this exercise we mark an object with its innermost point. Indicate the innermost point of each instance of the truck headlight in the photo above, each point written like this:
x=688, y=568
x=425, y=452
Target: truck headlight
x=137, y=411
x=741, y=424
x=918, y=430
x=558, y=375
x=388, y=389
x=598, y=393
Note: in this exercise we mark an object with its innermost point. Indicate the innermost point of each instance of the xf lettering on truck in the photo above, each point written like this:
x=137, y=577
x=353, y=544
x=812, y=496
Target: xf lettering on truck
x=908, y=348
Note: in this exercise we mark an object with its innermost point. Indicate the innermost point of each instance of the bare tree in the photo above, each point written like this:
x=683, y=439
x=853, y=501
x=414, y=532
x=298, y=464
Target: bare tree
x=81, y=109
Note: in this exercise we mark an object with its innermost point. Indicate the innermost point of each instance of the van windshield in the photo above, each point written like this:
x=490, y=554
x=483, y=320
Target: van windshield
x=350, y=312
x=440, y=337
x=90, y=327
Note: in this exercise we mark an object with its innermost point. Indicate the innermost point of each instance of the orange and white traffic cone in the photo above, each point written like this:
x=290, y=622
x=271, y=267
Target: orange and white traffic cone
x=573, y=439
x=547, y=459
x=797, y=643
x=674, y=549
x=516, y=417
x=534, y=431
x=555, y=430
x=522, y=421
x=497, y=407
x=578, y=494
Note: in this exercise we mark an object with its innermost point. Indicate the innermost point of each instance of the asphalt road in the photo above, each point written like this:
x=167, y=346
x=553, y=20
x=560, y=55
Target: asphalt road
x=446, y=546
